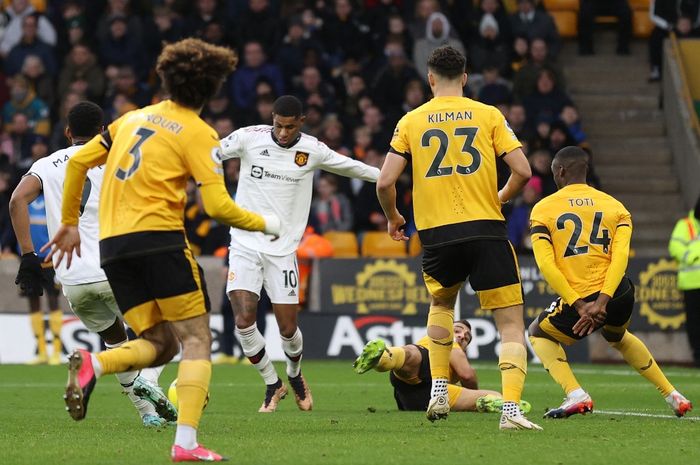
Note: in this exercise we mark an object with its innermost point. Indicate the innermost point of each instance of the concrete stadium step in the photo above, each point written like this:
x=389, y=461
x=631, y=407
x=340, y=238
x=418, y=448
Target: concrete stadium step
x=612, y=101
x=652, y=185
x=628, y=129
x=664, y=216
x=634, y=171
x=616, y=157
x=651, y=203
x=630, y=151
x=648, y=234
x=623, y=116
x=652, y=249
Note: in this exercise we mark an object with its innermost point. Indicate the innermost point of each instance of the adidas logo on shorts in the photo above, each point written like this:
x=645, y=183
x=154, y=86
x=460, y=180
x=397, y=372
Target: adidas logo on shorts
x=292, y=293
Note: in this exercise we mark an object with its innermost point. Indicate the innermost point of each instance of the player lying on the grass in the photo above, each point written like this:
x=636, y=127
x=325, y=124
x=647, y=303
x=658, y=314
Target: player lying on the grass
x=410, y=374
x=84, y=284
x=581, y=239
x=277, y=170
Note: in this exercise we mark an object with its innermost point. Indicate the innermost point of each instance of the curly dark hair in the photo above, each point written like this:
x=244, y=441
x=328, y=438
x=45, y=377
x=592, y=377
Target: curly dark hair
x=447, y=62
x=193, y=70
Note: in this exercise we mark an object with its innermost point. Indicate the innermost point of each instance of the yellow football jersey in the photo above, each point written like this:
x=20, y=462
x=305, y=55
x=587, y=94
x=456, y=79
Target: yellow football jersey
x=149, y=155
x=452, y=144
x=580, y=222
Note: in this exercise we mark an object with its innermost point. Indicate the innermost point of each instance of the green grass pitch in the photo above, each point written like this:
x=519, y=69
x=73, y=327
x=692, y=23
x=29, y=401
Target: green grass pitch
x=354, y=422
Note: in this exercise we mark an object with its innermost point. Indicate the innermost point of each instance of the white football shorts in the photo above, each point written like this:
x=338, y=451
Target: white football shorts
x=94, y=304
x=249, y=270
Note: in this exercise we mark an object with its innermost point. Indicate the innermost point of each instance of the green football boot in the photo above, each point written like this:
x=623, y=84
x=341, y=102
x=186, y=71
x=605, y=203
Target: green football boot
x=369, y=357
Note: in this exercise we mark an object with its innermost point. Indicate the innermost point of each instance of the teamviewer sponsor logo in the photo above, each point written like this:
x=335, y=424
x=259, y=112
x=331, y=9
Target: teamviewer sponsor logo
x=257, y=172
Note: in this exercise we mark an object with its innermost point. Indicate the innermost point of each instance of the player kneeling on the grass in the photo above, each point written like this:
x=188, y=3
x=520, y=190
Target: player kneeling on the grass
x=277, y=170
x=410, y=374
x=581, y=239
x=149, y=155
x=84, y=284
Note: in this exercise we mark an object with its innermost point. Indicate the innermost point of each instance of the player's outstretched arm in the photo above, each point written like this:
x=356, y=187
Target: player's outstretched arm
x=218, y=205
x=346, y=166
x=386, y=193
x=520, y=174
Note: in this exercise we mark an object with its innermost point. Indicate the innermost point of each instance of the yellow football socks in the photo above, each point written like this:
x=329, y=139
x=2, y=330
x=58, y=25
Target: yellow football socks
x=37, y=321
x=193, y=378
x=441, y=334
x=554, y=360
x=392, y=358
x=513, y=365
x=638, y=357
x=133, y=355
x=55, y=325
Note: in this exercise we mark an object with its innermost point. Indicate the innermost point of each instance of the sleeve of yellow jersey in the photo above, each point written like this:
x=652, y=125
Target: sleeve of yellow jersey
x=92, y=154
x=399, y=141
x=544, y=256
x=620, y=252
x=504, y=139
x=203, y=157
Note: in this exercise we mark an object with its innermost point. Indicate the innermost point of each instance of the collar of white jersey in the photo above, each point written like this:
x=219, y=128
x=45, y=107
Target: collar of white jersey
x=274, y=139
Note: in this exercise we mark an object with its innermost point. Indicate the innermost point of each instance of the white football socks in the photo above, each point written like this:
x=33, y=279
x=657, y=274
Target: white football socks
x=186, y=437
x=439, y=387
x=293, y=348
x=253, y=344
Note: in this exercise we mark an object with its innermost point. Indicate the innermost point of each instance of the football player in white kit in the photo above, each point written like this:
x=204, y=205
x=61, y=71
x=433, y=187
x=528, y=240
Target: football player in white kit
x=84, y=284
x=277, y=170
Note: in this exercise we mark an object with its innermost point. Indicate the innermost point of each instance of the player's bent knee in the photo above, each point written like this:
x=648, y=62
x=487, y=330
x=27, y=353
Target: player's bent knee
x=245, y=319
x=611, y=336
x=438, y=332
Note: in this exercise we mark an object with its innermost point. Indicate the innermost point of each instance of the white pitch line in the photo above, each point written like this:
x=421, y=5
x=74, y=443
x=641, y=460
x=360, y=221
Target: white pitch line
x=593, y=371
x=639, y=414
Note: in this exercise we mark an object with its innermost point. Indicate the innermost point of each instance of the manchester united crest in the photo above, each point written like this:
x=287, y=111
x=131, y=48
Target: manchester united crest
x=301, y=159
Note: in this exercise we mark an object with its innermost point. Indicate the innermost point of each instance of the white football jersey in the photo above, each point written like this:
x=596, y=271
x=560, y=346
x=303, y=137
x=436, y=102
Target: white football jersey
x=279, y=180
x=51, y=171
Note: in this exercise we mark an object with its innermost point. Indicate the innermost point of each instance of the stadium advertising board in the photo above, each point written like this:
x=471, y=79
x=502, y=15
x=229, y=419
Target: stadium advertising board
x=395, y=287
x=343, y=336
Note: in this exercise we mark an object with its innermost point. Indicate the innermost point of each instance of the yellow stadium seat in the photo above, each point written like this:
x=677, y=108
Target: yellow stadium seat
x=641, y=24
x=415, y=248
x=561, y=5
x=344, y=244
x=640, y=4
x=567, y=23
x=378, y=244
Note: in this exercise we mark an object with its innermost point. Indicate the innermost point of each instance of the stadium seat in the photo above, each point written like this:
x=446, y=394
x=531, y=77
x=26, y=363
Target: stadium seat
x=561, y=5
x=378, y=244
x=344, y=244
x=567, y=23
x=641, y=24
x=640, y=4
x=415, y=248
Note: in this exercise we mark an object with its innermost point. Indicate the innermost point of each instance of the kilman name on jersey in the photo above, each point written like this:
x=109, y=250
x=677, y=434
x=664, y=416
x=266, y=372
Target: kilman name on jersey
x=301, y=159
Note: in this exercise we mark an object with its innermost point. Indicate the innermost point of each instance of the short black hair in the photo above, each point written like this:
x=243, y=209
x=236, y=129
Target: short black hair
x=447, y=62
x=85, y=119
x=573, y=158
x=288, y=105
x=465, y=322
